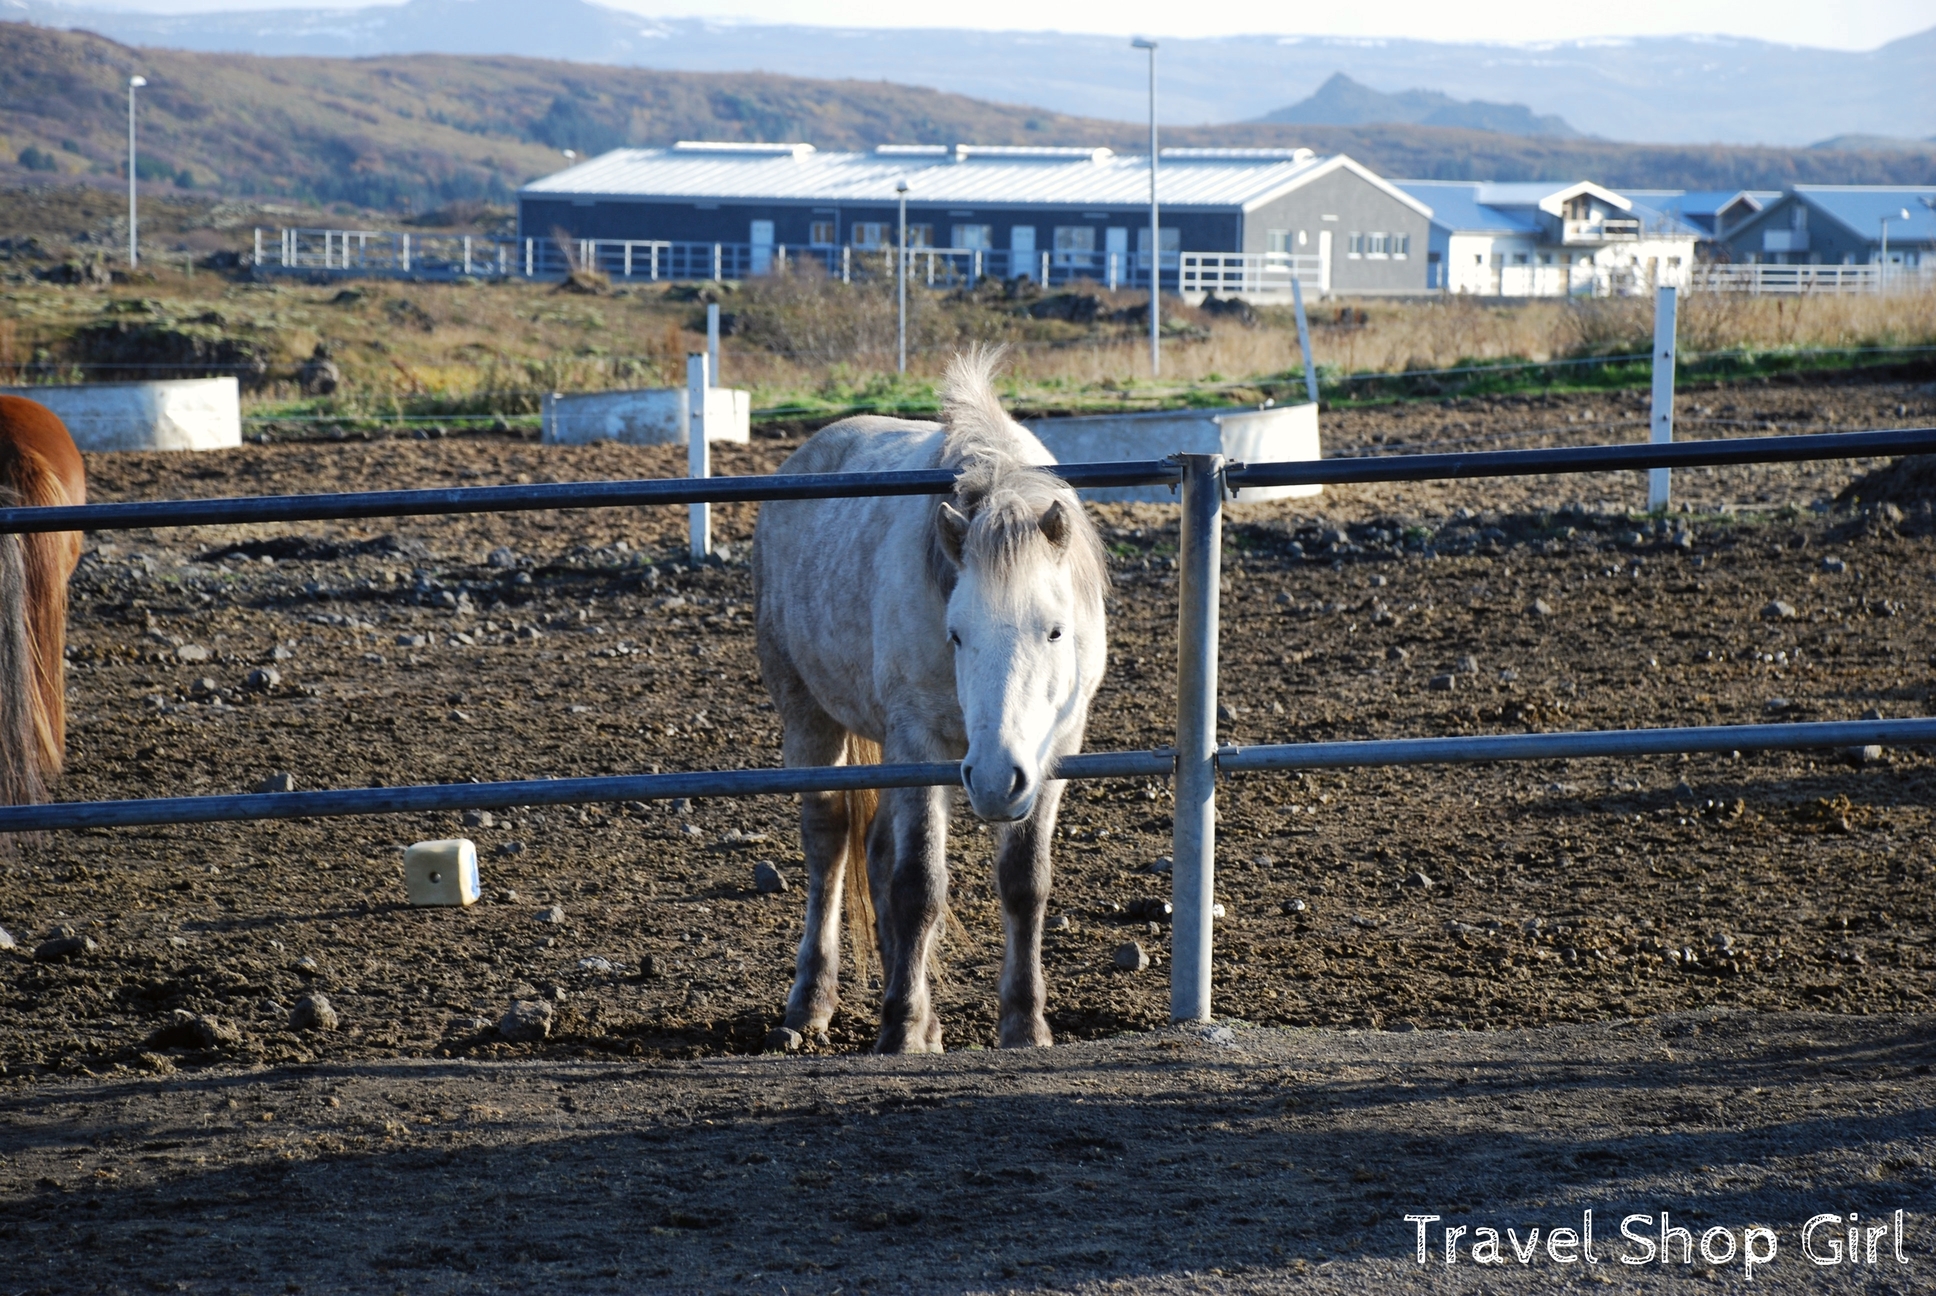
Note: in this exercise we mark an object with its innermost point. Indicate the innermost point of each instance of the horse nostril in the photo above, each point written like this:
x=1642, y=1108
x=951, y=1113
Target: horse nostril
x=967, y=776
x=1021, y=782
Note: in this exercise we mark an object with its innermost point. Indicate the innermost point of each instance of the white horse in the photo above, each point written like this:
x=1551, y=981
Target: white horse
x=965, y=628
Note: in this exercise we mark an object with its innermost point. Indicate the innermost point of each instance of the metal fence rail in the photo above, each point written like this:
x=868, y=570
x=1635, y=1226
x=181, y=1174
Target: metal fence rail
x=231, y=511
x=1156, y=763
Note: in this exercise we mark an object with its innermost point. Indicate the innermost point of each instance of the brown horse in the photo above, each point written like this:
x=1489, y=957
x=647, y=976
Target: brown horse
x=38, y=466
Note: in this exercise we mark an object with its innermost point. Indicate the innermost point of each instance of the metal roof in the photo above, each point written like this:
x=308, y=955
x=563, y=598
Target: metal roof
x=1483, y=207
x=966, y=175
x=1863, y=207
x=1455, y=206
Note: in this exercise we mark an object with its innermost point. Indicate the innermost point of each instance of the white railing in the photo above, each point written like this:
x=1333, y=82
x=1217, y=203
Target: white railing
x=1796, y=280
x=1250, y=274
x=451, y=256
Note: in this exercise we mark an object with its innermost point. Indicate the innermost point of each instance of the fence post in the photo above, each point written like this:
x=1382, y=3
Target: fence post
x=847, y=264
x=712, y=344
x=1193, y=866
x=715, y=263
x=258, y=247
x=1304, y=337
x=406, y=255
x=698, y=454
x=1045, y=271
x=1660, y=480
x=528, y=244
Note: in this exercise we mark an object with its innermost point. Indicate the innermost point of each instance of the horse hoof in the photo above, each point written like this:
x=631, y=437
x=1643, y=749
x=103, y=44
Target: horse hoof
x=1026, y=1034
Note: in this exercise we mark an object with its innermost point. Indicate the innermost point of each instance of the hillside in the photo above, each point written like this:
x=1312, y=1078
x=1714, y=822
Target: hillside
x=410, y=132
x=1341, y=101
x=1679, y=89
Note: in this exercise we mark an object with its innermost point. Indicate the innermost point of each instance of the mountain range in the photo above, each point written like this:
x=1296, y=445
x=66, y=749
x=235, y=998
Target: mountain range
x=410, y=131
x=1684, y=89
x=1343, y=102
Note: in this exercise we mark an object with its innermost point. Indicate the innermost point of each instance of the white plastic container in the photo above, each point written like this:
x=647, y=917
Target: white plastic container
x=653, y=417
x=1278, y=434
x=176, y=414
x=442, y=872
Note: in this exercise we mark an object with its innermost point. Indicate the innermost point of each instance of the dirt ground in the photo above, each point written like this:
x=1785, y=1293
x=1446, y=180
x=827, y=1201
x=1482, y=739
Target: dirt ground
x=1569, y=892
x=1267, y=1161
x=1483, y=899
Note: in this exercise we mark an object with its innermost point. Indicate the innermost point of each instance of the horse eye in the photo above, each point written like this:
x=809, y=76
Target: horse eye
x=954, y=639
x=1055, y=634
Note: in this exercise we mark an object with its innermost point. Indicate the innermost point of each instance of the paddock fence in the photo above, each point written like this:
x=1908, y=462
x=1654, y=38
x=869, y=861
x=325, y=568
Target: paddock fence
x=1194, y=762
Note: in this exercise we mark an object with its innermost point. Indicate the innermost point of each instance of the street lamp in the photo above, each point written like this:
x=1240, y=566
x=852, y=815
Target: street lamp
x=900, y=269
x=1156, y=234
x=1882, y=265
x=134, y=246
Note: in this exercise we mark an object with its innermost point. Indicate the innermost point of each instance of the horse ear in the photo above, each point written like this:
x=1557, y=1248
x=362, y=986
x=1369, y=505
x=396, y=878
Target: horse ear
x=1055, y=524
x=951, y=525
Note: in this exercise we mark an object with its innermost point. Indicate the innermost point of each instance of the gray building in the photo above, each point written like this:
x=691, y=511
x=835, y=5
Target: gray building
x=1233, y=220
x=1836, y=225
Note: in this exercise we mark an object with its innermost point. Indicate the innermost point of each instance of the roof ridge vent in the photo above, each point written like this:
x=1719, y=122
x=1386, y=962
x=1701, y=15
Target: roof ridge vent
x=1240, y=154
x=1032, y=153
x=737, y=148
x=911, y=150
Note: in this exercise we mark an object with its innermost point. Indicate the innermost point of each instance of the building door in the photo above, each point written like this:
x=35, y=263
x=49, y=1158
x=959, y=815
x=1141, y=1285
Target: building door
x=1021, y=251
x=762, y=241
x=1115, y=255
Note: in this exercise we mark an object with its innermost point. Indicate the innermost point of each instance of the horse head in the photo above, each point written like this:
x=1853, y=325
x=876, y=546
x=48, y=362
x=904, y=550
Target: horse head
x=1026, y=573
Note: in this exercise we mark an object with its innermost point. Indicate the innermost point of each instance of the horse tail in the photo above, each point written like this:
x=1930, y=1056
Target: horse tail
x=862, y=933
x=45, y=559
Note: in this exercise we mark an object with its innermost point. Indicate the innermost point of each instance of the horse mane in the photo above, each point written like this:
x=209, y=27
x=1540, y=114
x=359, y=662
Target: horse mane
x=1003, y=495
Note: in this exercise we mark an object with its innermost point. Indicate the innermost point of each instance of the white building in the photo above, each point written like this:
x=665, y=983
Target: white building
x=1545, y=240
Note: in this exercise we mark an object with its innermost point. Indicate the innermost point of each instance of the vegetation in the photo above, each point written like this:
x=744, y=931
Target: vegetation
x=810, y=348
x=410, y=133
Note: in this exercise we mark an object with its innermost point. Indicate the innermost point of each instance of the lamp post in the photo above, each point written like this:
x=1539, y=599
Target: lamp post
x=1882, y=260
x=1156, y=232
x=900, y=269
x=134, y=245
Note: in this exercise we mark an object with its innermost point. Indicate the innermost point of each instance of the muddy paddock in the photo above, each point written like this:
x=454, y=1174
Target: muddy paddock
x=1530, y=900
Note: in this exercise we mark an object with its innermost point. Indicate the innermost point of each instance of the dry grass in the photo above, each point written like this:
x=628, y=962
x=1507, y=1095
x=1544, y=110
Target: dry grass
x=800, y=338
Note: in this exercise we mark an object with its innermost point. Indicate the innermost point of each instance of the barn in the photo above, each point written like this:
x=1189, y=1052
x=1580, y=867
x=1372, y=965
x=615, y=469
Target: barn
x=1241, y=220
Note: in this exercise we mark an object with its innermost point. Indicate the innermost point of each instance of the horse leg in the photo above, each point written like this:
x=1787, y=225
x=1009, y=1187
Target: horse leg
x=1022, y=876
x=813, y=738
x=911, y=905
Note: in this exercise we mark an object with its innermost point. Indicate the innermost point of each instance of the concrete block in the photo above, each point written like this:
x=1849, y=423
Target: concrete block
x=176, y=414
x=441, y=872
x=654, y=417
x=1278, y=434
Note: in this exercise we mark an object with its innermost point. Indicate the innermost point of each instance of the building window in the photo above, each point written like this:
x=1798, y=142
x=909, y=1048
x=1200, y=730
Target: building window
x=1546, y=258
x=1021, y=238
x=1075, y=239
x=975, y=238
x=1277, y=240
x=1401, y=246
x=1673, y=263
x=1519, y=258
x=1354, y=245
x=821, y=234
x=1302, y=238
x=920, y=236
x=869, y=234
x=1378, y=245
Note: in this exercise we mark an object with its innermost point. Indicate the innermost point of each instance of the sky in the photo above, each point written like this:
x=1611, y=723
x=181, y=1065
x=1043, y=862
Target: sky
x=1836, y=24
